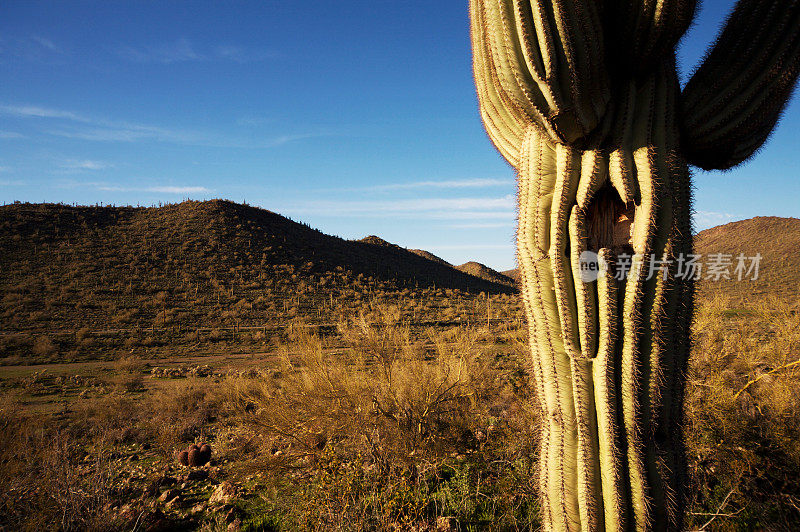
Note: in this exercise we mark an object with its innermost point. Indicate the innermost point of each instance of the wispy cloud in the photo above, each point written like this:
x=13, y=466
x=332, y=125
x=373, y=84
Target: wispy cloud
x=160, y=190
x=105, y=186
x=453, y=183
x=449, y=247
x=11, y=135
x=708, y=219
x=34, y=48
x=123, y=132
x=183, y=50
x=85, y=164
x=440, y=208
x=72, y=125
x=486, y=225
x=252, y=121
x=179, y=190
x=41, y=112
x=46, y=43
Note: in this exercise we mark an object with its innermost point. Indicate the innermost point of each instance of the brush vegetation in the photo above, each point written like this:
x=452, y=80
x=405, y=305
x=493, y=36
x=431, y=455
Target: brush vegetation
x=400, y=413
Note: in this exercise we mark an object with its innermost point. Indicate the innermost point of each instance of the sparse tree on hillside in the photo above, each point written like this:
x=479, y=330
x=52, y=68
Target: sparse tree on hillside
x=583, y=99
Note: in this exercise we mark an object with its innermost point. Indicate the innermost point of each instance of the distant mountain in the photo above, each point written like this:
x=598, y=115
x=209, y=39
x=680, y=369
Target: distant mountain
x=430, y=256
x=513, y=274
x=484, y=272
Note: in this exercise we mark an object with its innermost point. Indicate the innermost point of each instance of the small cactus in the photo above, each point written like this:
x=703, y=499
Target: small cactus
x=183, y=458
x=205, y=453
x=195, y=455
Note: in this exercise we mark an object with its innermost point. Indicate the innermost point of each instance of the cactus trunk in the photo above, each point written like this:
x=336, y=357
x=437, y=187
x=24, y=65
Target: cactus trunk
x=582, y=98
x=608, y=355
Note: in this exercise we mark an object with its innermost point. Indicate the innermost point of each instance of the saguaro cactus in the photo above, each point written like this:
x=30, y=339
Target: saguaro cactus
x=582, y=98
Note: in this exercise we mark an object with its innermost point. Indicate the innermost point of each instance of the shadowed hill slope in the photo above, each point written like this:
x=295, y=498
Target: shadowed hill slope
x=484, y=272
x=430, y=256
x=213, y=235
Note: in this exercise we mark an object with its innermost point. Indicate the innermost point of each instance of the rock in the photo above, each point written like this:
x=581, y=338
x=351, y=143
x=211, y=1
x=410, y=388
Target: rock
x=223, y=493
x=151, y=490
x=169, y=495
x=166, y=481
x=232, y=516
x=318, y=440
x=446, y=523
x=197, y=474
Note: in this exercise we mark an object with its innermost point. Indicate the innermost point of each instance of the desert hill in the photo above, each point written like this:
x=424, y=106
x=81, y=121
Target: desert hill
x=430, y=256
x=512, y=274
x=482, y=271
x=776, y=239
x=195, y=264
x=216, y=233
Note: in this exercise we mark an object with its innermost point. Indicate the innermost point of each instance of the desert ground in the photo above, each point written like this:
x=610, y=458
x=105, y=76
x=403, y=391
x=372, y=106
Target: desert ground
x=340, y=385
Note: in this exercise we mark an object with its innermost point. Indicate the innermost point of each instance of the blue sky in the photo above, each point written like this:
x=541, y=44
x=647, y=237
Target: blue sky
x=358, y=117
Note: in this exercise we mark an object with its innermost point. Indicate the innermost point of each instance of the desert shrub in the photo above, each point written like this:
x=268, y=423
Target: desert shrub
x=744, y=415
x=386, y=431
x=43, y=346
x=45, y=482
x=180, y=414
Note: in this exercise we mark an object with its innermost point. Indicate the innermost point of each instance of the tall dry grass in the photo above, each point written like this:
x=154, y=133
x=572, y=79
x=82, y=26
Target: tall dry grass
x=743, y=409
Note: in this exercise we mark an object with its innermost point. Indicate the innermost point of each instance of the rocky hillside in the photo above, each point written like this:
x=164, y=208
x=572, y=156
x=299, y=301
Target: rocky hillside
x=776, y=239
x=482, y=271
x=213, y=264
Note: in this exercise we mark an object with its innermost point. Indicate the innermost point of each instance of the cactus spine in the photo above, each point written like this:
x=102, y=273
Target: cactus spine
x=582, y=98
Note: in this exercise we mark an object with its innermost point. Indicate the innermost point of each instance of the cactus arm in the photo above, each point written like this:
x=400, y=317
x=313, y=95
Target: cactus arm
x=590, y=499
x=545, y=60
x=568, y=173
x=621, y=156
x=585, y=292
x=646, y=30
x=734, y=99
x=505, y=122
x=589, y=479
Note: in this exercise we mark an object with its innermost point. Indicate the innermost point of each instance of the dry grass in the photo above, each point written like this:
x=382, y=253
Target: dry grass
x=376, y=426
x=744, y=432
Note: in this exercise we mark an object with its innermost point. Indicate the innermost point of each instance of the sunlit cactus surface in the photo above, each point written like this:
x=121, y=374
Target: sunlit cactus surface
x=583, y=99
